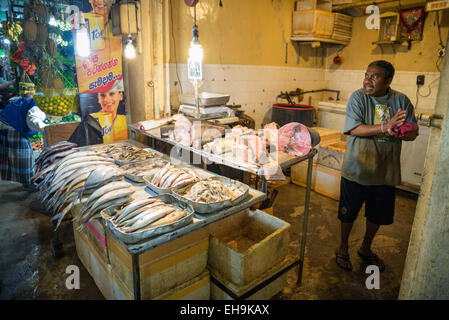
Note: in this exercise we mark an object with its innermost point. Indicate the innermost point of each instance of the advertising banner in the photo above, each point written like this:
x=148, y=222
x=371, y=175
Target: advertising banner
x=100, y=77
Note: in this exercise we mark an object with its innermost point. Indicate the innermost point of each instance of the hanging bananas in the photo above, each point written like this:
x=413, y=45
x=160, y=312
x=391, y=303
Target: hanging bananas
x=12, y=30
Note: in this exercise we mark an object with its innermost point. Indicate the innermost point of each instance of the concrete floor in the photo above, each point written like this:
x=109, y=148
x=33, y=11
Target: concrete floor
x=29, y=271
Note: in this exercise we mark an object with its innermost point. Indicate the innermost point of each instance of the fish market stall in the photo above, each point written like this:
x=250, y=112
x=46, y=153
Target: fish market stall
x=283, y=159
x=99, y=184
x=162, y=131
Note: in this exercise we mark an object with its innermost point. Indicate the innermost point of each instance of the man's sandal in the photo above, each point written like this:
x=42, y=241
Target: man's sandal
x=344, y=257
x=372, y=260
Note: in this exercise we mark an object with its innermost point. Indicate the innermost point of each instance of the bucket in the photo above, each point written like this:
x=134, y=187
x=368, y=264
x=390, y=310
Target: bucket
x=284, y=113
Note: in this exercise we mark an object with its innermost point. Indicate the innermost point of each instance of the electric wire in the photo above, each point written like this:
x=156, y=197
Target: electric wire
x=174, y=45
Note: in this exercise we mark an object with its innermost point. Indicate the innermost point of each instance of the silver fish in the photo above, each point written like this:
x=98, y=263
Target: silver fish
x=105, y=198
x=150, y=217
x=133, y=216
x=133, y=206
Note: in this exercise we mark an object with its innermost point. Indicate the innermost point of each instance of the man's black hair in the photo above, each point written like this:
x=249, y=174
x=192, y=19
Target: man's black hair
x=386, y=67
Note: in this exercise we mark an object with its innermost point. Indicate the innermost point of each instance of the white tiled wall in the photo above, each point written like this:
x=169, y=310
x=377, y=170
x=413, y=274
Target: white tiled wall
x=255, y=87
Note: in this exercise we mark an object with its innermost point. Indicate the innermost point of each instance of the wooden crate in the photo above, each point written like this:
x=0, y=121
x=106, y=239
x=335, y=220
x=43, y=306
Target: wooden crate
x=336, y=2
x=95, y=233
x=299, y=175
x=313, y=23
x=332, y=154
x=265, y=293
x=197, y=288
x=327, y=135
x=164, y=267
x=59, y=132
x=246, y=245
x=108, y=284
x=325, y=5
x=328, y=182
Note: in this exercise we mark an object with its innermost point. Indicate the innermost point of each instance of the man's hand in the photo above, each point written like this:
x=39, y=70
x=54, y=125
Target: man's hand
x=398, y=119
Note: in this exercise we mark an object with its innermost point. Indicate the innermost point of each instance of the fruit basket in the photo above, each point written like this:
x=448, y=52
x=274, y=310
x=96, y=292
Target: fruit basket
x=56, y=102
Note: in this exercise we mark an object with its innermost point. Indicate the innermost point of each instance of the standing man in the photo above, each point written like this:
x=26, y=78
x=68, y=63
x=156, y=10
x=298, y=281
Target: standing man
x=18, y=121
x=371, y=166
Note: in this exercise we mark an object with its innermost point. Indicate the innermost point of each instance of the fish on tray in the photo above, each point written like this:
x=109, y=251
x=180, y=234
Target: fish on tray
x=145, y=214
x=210, y=191
x=170, y=176
x=146, y=168
x=124, y=153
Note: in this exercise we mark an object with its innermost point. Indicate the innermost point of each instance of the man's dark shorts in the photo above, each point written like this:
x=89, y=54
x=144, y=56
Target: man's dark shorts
x=379, y=202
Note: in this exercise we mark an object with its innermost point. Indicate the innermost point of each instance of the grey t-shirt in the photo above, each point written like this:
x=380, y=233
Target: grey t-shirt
x=374, y=160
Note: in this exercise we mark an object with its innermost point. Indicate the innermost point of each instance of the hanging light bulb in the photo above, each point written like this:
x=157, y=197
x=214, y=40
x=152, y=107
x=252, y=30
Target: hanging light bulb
x=195, y=62
x=130, y=51
x=82, y=42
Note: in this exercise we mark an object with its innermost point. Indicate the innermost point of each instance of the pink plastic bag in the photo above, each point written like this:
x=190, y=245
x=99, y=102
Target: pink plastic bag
x=402, y=130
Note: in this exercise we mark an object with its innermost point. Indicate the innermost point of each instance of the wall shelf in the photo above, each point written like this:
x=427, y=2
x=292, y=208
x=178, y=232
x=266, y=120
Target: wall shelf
x=317, y=39
x=297, y=40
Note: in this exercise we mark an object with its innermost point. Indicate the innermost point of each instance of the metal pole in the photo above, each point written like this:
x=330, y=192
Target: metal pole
x=136, y=276
x=306, y=216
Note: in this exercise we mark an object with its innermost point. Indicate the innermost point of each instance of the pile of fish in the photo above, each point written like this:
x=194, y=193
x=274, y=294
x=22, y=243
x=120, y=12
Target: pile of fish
x=210, y=191
x=64, y=183
x=141, y=215
x=48, y=158
x=124, y=153
x=108, y=196
x=170, y=177
x=148, y=168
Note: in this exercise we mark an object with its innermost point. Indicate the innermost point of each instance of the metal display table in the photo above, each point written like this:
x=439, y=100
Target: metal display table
x=284, y=160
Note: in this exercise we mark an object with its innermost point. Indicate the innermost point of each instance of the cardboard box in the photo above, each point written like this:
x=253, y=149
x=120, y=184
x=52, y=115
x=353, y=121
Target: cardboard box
x=332, y=155
x=164, y=267
x=328, y=182
x=314, y=4
x=313, y=23
x=264, y=293
x=244, y=246
x=327, y=135
x=109, y=285
x=95, y=233
x=299, y=174
x=197, y=288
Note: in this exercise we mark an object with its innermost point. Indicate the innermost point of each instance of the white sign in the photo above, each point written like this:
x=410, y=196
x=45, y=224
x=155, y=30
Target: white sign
x=373, y=21
x=373, y=281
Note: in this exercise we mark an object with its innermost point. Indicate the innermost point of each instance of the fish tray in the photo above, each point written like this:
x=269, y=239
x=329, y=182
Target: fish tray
x=155, y=155
x=202, y=207
x=135, y=237
x=130, y=143
x=140, y=178
x=158, y=190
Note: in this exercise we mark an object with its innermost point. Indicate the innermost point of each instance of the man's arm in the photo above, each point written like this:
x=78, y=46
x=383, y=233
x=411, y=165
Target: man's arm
x=365, y=130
